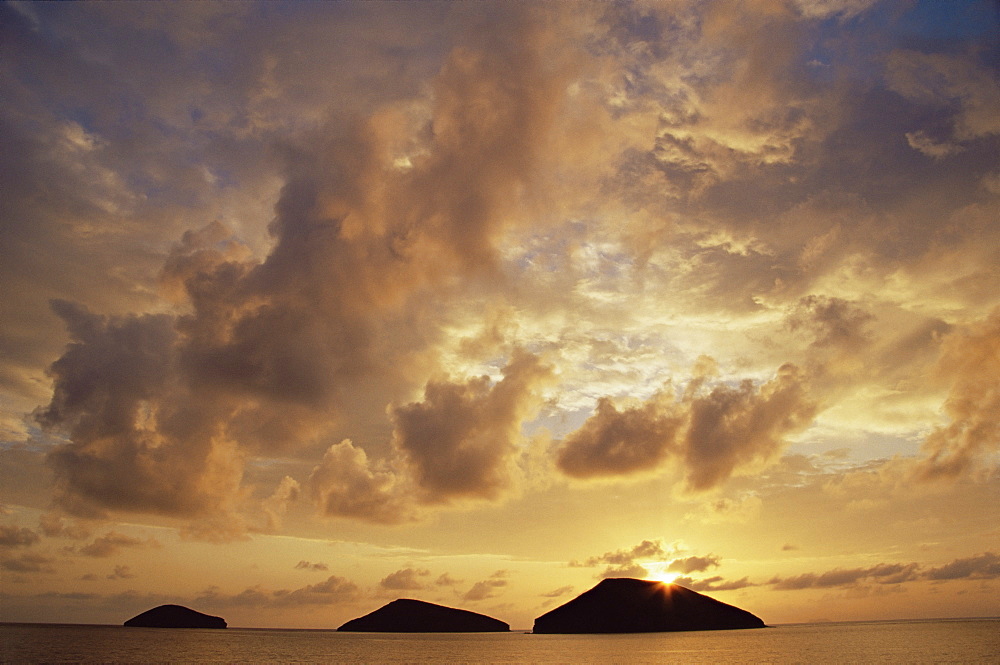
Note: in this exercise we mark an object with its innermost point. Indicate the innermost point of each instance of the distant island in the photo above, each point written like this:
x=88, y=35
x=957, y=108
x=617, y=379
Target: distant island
x=416, y=616
x=174, y=616
x=626, y=605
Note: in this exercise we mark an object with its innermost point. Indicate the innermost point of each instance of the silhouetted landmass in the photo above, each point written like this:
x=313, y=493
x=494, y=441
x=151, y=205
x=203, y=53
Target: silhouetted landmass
x=416, y=616
x=625, y=605
x=174, y=616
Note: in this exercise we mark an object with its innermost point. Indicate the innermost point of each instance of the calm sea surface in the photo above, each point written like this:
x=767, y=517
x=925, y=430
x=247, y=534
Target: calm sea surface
x=947, y=641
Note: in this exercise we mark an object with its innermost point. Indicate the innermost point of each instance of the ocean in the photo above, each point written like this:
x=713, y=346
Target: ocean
x=922, y=641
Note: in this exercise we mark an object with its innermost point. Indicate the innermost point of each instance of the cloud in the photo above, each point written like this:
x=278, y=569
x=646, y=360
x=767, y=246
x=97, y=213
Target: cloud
x=486, y=588
x=920, y=141
x=614, y=442
x=54, y=525
x=121, y=573
x=28, y=562
x=555, y=593
x=14, y=536
x=306, y=565
x=881, y=574
x=461, y=440
x=982, y=566
x=625, y=570
x=131, y=449
x=346, y=484
x=625, y=563
x=613, y=189
x=551, y=596
x=404, y=579
x=444, y=579
x=223, y=527
x=714, y=583
x=162, y=410
x=832, y=322
x=711, y=432
x=693, y=564
x=113, y=542
x=645, y=550
x=970, y=361
x=276, y=505
x=738, y=510
x=331, y=591
x=953, y=83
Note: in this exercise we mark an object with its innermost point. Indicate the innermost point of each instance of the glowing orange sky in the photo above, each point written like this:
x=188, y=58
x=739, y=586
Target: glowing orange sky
x=311, y=306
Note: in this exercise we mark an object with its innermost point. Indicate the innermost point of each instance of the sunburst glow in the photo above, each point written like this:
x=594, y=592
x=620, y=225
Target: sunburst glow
x=658, y=572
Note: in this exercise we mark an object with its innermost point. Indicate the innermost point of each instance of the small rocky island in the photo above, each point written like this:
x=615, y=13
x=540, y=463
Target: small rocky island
x=625, y=605
x=416, y=616
x=174, y=616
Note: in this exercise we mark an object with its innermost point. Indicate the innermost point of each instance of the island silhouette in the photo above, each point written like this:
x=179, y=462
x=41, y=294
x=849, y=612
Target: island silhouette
x=406, y=615
x=626, y=605
x=615, y=605
x=174, y=616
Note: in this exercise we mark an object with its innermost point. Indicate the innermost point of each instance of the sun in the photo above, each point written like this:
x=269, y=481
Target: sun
x=658, y=572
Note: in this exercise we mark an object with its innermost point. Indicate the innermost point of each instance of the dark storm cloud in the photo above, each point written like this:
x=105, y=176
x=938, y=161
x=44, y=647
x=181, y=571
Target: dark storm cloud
x=270, y=350
x=101, y=169
x=132, y=448
x=712, y=432
x=262, y=361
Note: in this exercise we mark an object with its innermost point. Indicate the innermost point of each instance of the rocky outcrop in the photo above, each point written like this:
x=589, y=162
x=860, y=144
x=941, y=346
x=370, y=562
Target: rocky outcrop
x=174, y=616
x=416, y=616
x=626, y=605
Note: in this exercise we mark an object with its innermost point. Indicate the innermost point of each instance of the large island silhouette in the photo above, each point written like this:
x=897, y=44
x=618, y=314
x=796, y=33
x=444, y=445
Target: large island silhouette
x=174, y=616
x=626, y=605
x=416, y=616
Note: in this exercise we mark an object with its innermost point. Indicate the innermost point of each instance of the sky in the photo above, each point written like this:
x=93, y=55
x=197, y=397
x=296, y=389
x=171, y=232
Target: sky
x=311, y=306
